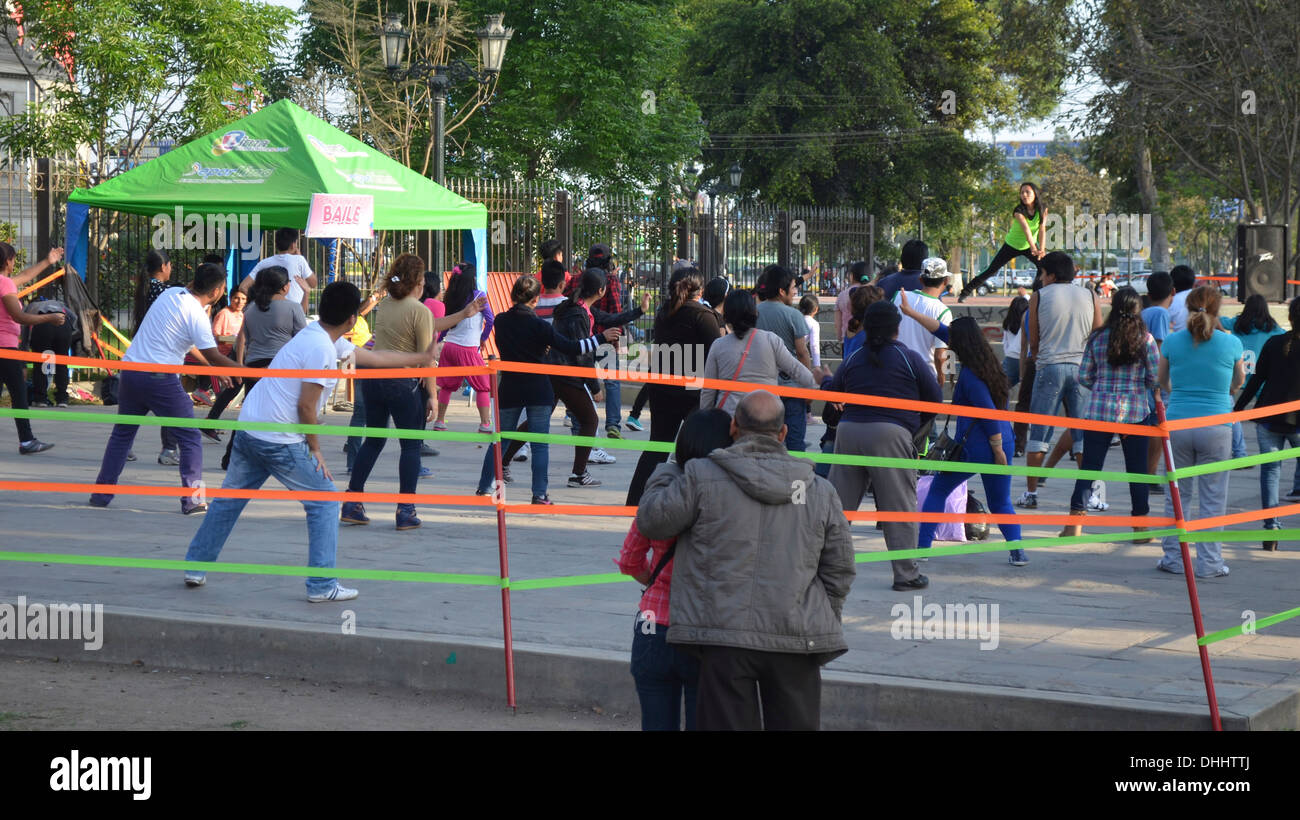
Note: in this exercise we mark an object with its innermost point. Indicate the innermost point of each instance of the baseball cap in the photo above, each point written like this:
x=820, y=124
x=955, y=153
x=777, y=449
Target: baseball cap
x=599, y=253
x=934, y=268
x=684, y=264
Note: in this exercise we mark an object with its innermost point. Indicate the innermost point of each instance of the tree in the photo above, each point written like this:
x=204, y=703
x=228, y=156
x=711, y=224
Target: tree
x=866, y=103
x=139, y=70
x=1211, y=83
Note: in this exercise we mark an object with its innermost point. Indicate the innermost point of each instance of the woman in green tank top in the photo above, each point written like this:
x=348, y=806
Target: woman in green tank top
x=1026, y=237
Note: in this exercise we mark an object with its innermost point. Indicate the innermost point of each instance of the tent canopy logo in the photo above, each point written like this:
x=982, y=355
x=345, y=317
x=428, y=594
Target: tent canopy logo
x=239, y=141
x=333, y=153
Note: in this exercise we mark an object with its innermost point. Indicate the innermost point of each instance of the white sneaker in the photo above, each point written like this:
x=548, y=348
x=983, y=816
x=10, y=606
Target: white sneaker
x=1028, y=501
x=170, y=458
x=1095, y=503
x=1223, y=571
x=599, y=456
x=195, y=579
x=338, y=593
x=522, y=455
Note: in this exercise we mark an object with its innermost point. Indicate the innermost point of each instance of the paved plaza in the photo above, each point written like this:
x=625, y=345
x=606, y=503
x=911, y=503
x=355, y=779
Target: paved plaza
x=1093, y=623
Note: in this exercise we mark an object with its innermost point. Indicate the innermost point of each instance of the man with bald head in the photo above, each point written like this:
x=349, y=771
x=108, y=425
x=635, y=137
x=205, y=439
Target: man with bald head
x=763, y=564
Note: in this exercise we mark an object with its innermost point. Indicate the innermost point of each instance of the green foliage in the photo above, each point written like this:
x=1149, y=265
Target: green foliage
x=141, y=70
x=866, y=103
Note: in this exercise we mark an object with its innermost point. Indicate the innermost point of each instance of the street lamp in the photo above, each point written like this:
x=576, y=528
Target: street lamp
x=492, y=40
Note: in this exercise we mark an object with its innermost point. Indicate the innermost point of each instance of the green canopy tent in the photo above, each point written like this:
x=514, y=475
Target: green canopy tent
x=268, y=165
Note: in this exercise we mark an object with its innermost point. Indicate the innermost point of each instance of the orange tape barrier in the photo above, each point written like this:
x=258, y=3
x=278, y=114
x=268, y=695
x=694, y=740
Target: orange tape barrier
x=42, y=283
x=1237, y=518
x=267, y=495
x=1154, y=431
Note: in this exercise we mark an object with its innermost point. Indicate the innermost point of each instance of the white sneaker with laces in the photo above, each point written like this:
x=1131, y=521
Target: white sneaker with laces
x=1028, y=500
x=337, y=593
x=195, y=579
x=599, y=456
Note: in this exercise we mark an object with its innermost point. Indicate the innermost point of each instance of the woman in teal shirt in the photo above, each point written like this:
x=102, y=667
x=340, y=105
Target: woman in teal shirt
x=1201, y=367
x=1253, y=326
x=1026, y=238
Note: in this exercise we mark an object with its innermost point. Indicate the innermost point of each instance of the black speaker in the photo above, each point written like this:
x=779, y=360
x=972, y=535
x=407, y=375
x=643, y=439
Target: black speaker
x=1261, y=262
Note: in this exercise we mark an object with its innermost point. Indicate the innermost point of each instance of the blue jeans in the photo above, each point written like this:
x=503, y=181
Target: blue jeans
x=824, y=469
x=997, y=491
x=539, y=421
x=1054, y=385
x=1011, y=367
x=1270, y=473
x=1238, y=441
x=252, y=461
x=664, y=676
x=400, y=399
x=796, y=422
x=1095, y=447
x=613, y=392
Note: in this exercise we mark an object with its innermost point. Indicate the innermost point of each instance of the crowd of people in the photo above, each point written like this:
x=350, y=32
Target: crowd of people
x=735, y=526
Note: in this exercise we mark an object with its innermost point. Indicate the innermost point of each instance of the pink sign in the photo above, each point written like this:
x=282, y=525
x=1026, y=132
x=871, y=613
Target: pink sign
x=343, y=216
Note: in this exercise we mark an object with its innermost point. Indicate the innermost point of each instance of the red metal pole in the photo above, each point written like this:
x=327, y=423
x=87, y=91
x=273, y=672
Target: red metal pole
x=499, y=495
x=1177, y=498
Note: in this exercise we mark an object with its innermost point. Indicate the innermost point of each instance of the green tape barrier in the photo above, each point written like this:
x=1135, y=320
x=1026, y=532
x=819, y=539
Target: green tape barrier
x=1004, y=546
x=590, y=441
x=1235, y=463
x=1232, y=632
x=249, y=569
x=573, y=581
x=1228, y=536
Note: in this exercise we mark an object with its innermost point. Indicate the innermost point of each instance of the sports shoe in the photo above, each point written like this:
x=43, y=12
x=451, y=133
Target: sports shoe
x=1020, y=452
x=485, y=428
x=344, y=407
x=522, y=455
x=337, y=593
x=194, y=509
x=96, y=501
x=505, y=475
x=195, y=579
x=599, y=456
x=919, y=582
x=406, y=518
x=426, y=450
x=214, y=435
x=1220, y=573
x=613, y=432
x=353, y=512
x=1294, y=495
x=425, y=472
x=964, y=295
x=633, y=424
x=36, y=403
x=584, y=480
x=203, y=397
x=1018, y=558
x=543, y=499
x=1157, y=489
x=1028, y=501
x=131, y=457
x=33, y=446
x=1095, y=503
x=62, y=404
x=1163, y=567
x=170, y=458
x=440, y=425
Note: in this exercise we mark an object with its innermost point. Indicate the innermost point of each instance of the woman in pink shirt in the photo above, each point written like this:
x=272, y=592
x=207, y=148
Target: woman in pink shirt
x=13, y=373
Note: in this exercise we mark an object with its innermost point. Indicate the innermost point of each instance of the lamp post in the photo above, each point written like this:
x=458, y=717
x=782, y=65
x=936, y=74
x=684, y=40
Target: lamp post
x=492, y=41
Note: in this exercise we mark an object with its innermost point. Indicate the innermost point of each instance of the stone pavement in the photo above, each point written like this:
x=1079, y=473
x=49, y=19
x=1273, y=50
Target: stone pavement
x=1085, y=627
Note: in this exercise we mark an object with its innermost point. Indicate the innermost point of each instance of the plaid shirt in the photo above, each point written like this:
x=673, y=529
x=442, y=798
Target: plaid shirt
x=612, y=301
x=633, y=561
x=1120, y=394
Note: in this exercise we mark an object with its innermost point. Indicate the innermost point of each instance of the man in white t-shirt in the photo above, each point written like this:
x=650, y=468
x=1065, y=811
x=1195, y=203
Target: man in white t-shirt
x=1184, y=280
x=175, y=323
x=934, y=281
x=294, y=457
x=288, y=256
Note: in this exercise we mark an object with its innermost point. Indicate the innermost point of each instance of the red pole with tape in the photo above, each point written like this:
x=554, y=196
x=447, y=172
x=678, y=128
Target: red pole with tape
x=499, y=497
x=1180, y=523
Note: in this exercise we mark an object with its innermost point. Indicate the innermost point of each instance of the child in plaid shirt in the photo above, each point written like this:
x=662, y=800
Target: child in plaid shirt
x=663, y=673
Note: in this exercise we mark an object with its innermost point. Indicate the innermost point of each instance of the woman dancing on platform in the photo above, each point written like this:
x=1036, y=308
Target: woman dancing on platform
x=1026, y=237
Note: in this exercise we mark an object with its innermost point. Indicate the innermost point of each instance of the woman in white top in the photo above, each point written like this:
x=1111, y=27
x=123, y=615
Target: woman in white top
x=749, y=355
x=461, y=348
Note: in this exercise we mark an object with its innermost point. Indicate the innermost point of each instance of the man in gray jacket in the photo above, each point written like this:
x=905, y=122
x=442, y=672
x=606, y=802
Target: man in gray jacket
x=763, y=564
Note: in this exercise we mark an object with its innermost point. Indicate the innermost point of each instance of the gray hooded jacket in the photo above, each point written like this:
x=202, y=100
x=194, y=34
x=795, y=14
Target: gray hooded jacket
x=764, y=558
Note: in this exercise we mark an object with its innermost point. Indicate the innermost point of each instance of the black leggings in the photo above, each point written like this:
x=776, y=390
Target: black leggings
x=57, y=338
x=577, y=400
x=13, y=375
x=669, y=407
x=227, y=396
x=1004, y=255
x=642, y=396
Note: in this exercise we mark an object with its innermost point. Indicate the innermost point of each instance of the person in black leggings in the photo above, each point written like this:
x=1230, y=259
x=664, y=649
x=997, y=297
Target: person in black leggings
x=14, y=372
x=1025, y=238
x=683, y=332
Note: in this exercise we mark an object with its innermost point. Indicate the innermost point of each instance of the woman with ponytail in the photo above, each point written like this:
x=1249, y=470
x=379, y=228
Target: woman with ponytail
x=1200, y=366
x=684, y=330
x=1120, y=366
x=462, y=347
x=884, y=368
x=1277, y=381
x=863, y=297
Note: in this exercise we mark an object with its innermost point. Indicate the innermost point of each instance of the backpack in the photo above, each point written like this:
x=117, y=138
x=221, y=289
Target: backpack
x=975, y=531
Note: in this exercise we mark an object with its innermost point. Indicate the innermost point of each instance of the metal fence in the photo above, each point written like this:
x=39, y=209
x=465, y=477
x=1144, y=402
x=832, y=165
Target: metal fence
x=647, y=232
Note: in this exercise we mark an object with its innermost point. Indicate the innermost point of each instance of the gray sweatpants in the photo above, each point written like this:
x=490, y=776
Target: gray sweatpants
x=895, y=488
x=1210, y=492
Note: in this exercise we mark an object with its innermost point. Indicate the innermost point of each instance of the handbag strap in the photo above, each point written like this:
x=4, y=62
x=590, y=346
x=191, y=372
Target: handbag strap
x=663, y=562
x=736, y=375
